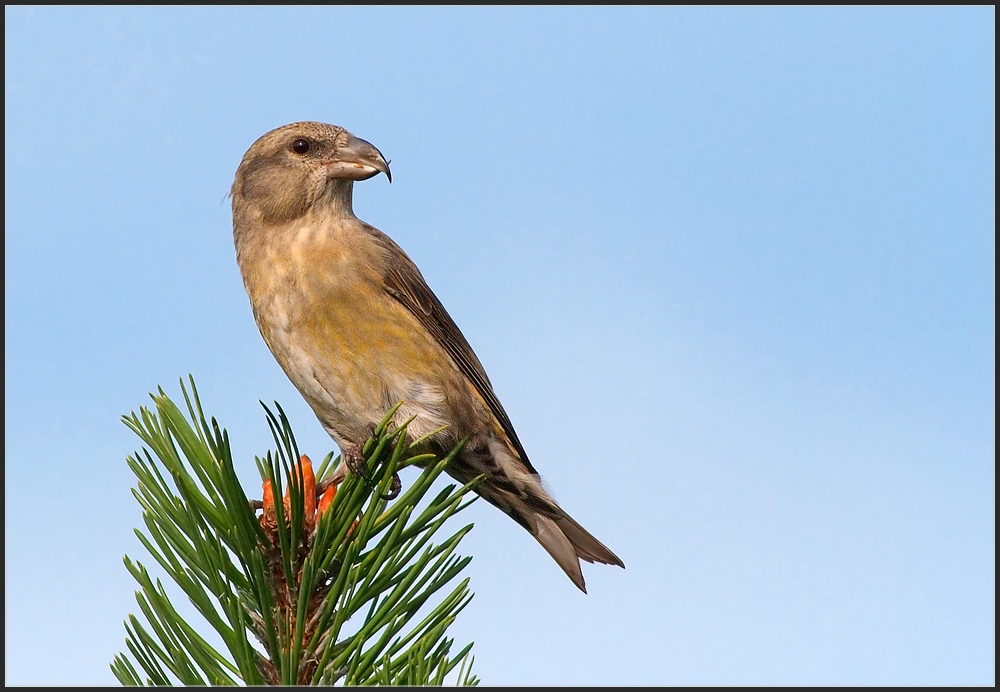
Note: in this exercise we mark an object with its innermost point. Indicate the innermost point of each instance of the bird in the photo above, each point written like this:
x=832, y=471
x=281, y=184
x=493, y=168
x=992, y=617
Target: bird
x=355, y=327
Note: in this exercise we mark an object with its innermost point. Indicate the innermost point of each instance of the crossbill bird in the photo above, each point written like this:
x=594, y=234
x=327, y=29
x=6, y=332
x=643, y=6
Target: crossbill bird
x=351, y=321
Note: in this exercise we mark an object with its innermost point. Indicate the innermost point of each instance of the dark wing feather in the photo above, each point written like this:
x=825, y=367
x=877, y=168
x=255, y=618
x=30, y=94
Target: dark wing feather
x=404, y=282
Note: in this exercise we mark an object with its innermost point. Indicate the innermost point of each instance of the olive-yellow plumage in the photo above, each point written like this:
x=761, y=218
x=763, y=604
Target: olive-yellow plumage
x=355, y=327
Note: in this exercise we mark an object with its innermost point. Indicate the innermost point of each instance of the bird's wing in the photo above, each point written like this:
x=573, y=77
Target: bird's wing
x=404, y=282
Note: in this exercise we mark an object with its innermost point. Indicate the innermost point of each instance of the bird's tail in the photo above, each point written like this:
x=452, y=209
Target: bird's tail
x=568, y=543
x=519, y=494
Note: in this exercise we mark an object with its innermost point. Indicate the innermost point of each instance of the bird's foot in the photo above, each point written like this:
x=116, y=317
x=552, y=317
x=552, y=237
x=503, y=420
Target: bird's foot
x=354, y=460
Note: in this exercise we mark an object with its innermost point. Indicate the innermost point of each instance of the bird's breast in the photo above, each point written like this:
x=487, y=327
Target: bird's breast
x=350, y=349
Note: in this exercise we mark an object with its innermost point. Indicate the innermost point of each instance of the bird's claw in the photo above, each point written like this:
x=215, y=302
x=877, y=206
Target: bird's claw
x=394, y=490
x=355, y=462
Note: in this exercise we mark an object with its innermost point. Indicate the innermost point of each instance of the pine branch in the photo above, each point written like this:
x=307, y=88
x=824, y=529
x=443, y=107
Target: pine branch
x=301, y=587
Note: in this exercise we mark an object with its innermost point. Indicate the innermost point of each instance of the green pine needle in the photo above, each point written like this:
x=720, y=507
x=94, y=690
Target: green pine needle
x=362, y=593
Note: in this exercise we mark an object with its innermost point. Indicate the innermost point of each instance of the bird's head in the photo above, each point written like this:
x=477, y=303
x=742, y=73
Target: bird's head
x=292, y=168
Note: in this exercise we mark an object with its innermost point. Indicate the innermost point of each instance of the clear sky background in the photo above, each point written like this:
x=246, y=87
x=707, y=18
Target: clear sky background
x=731, y=272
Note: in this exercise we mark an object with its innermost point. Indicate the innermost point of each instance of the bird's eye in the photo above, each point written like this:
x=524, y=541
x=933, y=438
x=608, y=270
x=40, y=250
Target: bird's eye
x=300, y=146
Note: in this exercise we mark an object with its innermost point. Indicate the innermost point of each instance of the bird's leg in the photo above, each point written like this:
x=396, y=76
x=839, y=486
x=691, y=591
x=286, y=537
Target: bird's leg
x=354, y=460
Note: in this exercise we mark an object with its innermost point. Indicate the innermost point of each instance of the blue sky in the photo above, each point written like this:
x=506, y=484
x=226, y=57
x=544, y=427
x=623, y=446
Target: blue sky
x=731, y=272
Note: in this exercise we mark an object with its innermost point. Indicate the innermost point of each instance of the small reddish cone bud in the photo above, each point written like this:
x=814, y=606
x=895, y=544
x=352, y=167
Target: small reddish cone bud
x=268, y=520
x=326, y=500
x=308, y=487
